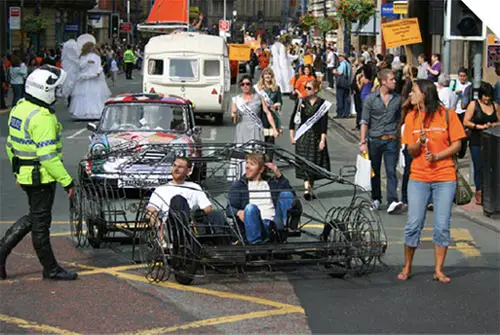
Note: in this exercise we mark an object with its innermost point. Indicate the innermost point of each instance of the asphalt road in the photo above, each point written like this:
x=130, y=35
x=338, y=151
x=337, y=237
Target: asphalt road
x=112, y=296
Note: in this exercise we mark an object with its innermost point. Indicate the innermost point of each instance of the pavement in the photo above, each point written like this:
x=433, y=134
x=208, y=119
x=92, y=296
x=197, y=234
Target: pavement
x=112, y=296
x=472, y=211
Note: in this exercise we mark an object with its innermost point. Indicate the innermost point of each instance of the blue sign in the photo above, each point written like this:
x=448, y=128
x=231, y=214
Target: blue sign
x=94, y=16
x=71, y=28
x=388, y=10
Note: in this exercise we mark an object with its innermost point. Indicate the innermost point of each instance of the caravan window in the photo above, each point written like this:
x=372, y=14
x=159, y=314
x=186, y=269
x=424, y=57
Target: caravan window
x=211, y=68
x=155, y=67
x=184, y=68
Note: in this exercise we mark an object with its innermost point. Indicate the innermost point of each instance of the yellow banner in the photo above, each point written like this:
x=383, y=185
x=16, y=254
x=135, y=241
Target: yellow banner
x=401, y=32
x=401, y=8
x=239, y=52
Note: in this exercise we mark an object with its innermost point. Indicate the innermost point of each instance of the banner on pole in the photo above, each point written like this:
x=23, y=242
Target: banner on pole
x=239, y=52
x=401, y=32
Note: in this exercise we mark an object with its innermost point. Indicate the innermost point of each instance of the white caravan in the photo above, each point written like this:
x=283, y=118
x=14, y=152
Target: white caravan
x=190, y=65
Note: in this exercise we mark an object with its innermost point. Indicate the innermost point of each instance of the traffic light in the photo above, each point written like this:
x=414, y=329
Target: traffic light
x=114, y=25
x=464, y=24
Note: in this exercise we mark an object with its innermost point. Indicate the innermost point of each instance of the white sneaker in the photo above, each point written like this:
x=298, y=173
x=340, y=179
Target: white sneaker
x=376, y=205
x=395, y=206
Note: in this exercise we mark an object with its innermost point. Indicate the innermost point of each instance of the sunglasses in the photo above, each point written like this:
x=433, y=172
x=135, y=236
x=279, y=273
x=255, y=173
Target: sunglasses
x=245, y=84
x=309, y=88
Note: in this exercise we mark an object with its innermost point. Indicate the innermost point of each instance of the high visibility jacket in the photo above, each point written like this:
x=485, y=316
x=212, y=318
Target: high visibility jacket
x=129, y=56
x=35, y=135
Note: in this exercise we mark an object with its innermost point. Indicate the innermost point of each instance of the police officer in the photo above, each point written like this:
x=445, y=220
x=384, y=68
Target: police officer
x=129, y=59
x=34, y=149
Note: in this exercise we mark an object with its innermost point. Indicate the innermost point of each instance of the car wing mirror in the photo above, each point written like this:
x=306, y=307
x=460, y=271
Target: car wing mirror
x=91, y=127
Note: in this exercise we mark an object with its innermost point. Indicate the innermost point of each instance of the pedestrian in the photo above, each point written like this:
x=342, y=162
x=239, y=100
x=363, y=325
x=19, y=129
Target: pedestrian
x=433, y=135
x=113, y=70
x=129, y=59
x=344, y=79
x=481, y=114
x=379, y=128
x=34, y=149
x=435, y=70
x=300, y=83
x=356, y=89
x=270, y=93
x=422, y=67
x=447, y=97
x=3, y=80
x=497, y=85
x=330, y=65
x=17, y=75
x=308, y=130
x=246, y=113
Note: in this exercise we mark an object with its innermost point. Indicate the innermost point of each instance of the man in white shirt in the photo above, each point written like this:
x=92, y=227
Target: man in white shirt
x=446, y=95
x=462, y=87
x=183, y=196
x=257, y=201
x=330, y=65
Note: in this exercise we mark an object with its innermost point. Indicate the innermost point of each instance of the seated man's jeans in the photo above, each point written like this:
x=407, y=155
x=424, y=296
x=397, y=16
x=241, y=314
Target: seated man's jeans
x=255, y=226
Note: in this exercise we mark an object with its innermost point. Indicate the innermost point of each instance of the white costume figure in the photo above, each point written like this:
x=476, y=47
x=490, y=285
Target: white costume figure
x=91, y=90
x=282, y=67
x=69, y=60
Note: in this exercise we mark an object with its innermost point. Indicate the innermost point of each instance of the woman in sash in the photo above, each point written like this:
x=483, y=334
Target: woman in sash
x=270, y=93
x=308, y=128
x=246, y=113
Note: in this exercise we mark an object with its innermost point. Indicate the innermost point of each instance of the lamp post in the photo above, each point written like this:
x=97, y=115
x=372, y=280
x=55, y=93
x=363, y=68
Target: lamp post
x=233, y=26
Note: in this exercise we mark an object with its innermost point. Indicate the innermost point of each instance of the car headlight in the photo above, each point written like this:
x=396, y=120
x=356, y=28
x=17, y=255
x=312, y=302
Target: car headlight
x=98, y=149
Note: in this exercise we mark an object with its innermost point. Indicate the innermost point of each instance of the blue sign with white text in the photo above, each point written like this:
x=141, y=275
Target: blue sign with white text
x=388, y=10
x=71, y=28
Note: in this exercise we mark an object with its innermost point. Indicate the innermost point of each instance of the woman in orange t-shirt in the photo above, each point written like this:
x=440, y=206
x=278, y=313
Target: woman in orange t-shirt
x=432, y=141
x=300, y=84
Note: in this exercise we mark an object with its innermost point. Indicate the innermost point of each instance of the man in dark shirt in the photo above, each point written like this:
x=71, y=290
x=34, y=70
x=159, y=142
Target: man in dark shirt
x=3, y=80
x=379, y=128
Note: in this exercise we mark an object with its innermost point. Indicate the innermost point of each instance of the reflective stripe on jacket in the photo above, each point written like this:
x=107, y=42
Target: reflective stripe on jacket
x=129, y=56
x=35, y=134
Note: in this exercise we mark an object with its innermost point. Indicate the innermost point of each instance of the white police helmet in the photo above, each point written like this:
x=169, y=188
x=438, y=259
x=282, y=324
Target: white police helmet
x=43, y=83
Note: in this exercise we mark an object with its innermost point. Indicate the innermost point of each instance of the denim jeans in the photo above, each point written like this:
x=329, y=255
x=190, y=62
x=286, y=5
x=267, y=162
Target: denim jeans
x=343, y=102
x=475, y=153
x=388, y=149
x=406, y=176
x=255, y=226
x=18, y=93
x=419, y=193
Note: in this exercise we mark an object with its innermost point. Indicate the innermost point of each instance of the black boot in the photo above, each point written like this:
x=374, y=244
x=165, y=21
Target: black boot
x=59, y=274
x=12, y=237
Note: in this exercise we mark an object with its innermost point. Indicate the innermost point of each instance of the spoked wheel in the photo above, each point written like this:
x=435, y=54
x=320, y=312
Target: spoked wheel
x=153, y=255
x=364, y=242
x=334, y=235
x=76, y=220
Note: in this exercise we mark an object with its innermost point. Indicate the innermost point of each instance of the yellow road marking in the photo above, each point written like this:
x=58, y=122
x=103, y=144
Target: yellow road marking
x=466, y=244
x=218, y=321
x=21, y=323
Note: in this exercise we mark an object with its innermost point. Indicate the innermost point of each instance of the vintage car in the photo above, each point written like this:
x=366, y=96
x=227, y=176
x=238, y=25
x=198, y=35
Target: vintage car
x=131, y=121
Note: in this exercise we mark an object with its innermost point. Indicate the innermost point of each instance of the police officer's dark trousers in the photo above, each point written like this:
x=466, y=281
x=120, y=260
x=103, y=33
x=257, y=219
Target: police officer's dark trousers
x=128, y=70
x=40, y=199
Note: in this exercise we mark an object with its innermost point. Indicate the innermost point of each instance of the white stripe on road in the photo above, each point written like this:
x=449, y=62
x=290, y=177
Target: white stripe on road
x=77, y=133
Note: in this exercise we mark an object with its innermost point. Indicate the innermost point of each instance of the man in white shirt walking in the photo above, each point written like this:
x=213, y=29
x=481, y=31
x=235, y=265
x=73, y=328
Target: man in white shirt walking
x=330, y=65
x=461, y=87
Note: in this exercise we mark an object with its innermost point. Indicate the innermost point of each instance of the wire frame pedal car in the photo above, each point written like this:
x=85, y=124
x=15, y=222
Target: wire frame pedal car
x=337, y=232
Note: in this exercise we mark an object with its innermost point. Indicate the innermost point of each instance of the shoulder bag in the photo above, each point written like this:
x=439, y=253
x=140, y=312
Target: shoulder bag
x=464, y=193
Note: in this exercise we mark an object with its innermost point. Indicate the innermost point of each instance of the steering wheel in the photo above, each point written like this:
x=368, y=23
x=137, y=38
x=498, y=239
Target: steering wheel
x=129, y=126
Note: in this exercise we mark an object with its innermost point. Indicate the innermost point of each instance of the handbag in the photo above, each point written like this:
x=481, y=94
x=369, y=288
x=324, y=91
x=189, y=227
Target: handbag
x=464, y=193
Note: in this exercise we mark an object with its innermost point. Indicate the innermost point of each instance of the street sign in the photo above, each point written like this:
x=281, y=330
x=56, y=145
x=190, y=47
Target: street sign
x=224, y=25
x=71, y=28
x=401, y=7
x=125, y=27
x=388, y=10
x=239, y=52
x=401, y=32
x=14, y=18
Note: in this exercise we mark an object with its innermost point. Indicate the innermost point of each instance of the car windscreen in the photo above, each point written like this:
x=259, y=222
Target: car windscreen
x=143, y=117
